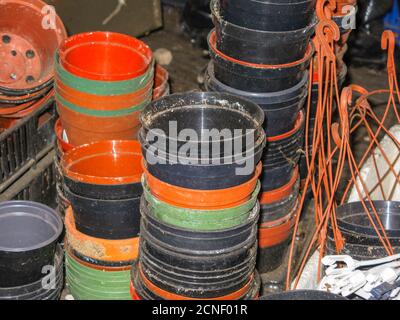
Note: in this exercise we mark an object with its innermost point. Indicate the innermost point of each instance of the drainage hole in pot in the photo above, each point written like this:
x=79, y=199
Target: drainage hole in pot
x=30, y=54
x=6, y=39
x=13, y=53
x=30, y=79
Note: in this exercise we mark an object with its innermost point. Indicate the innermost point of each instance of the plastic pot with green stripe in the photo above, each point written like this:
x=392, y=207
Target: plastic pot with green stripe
x=200, y=220
x=103, y=88
x=87, y=283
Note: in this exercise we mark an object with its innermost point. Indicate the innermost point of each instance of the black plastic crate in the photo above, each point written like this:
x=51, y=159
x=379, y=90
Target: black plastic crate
x=37, y=184
x=26, y=142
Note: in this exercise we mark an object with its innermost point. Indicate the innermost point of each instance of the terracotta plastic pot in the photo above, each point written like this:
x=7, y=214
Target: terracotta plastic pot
x=63, y=145
x=281, y=193
x=99, y=249
x=103, y=88
x=100, y=102
x=105, y=56
x=161, y=85
x=104, y=163
x=27, y=49
x=202, y=199
x=82, y=129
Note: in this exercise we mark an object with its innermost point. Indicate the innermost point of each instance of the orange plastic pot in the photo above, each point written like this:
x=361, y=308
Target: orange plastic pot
x=134, y=295
x=171, y=296
x=161, y=86
x=281, y=193
x=82, y=128
x=105, y=56
x=271, y=236
x=31, y=108
x=62, y=144
x=27, y=48
x=109, y=162
x=202, y=199
x=99, y=249
x=97, y=102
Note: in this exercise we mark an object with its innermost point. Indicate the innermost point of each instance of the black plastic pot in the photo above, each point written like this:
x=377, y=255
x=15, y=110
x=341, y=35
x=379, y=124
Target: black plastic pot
x=28, y=235
x=194, y=174
x=104, y=192
x=35, y=290
x=197, y=277
x=254, y=291
x=207, y=291
x=361, y=240
x=269, y=259
x=286, y=149
x=274, y=15
x=257, y=46
x=303, y=295
x=257, y=77
x=272, y=179
x=106, y=219
x=281, y=108
x=141, y=290
x=201, y=112
x=197, y=241
x=206, y=263
x=277, y=210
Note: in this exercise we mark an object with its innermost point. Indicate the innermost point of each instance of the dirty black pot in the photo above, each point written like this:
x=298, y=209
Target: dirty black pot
x=281, y=108
x=106, y=219
x=285, y=148
x=274, y=15
x=197, y=277
x=271, y=258
x=257, y=46
x=29, y=233
x=201, y=112
x=213, y=262
x=361, y=240
x=220, y=173
x=257, y=77
x=202, y=291
x=183, y=239
x=100, y=263
x=35, y=290
x=303, y=295
x=277, y=210
x=104, y=192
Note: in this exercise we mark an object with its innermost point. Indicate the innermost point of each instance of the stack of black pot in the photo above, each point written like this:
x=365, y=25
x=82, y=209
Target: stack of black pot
x=261, y=51
x=200, y=210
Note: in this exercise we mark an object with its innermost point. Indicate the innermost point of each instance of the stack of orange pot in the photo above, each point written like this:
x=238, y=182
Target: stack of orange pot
x=103, y=81
x=27, y=57
x=102, y=181
x=199, y=210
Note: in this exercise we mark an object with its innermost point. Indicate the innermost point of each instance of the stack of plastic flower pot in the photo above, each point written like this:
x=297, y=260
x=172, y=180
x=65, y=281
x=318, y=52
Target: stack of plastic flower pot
x=27, y=53
x=261, y=50
x=31, y=261
x=102, y=182
x=103, y=81
x=198, y=236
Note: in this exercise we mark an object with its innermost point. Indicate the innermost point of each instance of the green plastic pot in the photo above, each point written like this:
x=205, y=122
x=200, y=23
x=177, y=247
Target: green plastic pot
x=86, y=283
x=200, y=220
x=103, y=88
